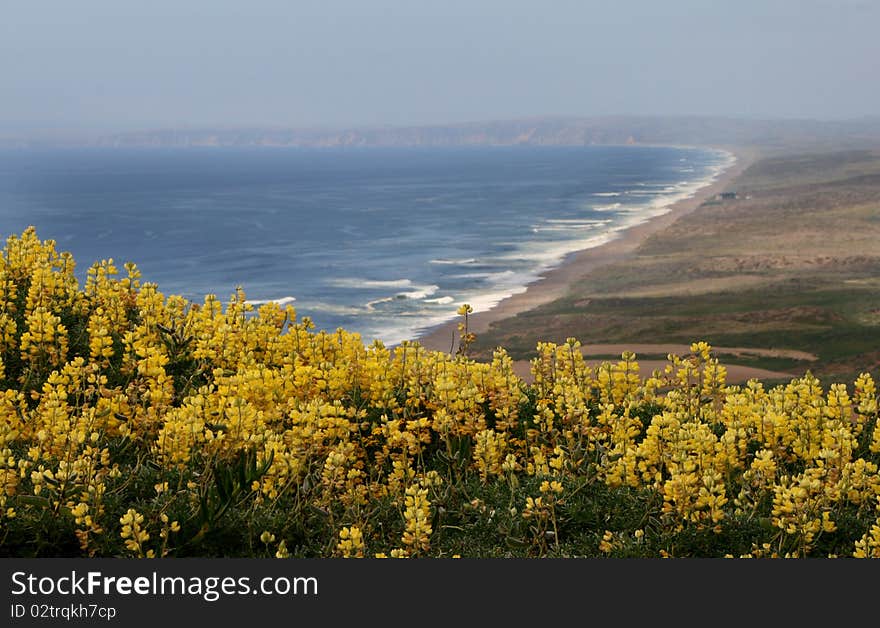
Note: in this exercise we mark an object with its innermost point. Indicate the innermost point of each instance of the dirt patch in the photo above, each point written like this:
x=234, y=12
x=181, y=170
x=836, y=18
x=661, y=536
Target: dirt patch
x=736, y=374
x=681, y=349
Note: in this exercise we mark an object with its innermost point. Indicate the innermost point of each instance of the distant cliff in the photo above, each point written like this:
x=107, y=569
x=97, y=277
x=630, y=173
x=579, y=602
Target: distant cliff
x=531, y=131
x=556, y=131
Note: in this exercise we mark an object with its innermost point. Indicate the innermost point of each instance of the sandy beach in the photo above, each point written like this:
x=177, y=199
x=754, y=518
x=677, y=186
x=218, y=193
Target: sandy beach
x=556, y=282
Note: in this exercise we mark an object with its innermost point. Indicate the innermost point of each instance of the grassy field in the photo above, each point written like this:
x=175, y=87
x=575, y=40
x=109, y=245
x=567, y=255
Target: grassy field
x=792, y=263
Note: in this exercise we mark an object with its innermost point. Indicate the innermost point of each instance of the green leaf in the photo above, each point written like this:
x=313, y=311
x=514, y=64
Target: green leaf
x=34, y=500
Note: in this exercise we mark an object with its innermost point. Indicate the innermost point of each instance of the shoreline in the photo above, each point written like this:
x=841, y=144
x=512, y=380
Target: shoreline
x=556, y=282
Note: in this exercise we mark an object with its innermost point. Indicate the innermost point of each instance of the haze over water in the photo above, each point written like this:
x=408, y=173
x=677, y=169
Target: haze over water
x=385, y=242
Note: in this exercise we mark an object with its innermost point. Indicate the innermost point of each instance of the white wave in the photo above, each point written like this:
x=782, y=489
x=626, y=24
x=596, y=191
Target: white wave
x=371, y=305
x=578, y=222
x=564, y=228
x=496, y=276
x=419, y=293
x=606, y=208
x=422, y=292
x=454, y=262
x=672, y=194
x=542, y=256
x=280, y=301
x=352, y=282
x=441, y=300
x=607, y=194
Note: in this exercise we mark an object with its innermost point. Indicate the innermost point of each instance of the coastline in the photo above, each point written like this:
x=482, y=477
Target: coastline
x=556, y=282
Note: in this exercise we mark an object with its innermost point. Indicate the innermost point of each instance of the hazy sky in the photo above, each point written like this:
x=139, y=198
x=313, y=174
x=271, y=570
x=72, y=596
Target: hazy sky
x=118, y=64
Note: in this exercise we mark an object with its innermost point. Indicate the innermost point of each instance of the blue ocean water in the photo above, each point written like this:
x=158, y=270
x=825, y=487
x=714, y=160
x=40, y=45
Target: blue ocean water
x=385, y=242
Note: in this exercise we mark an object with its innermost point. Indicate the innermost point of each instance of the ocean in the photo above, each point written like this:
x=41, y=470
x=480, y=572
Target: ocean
x=387, y=242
